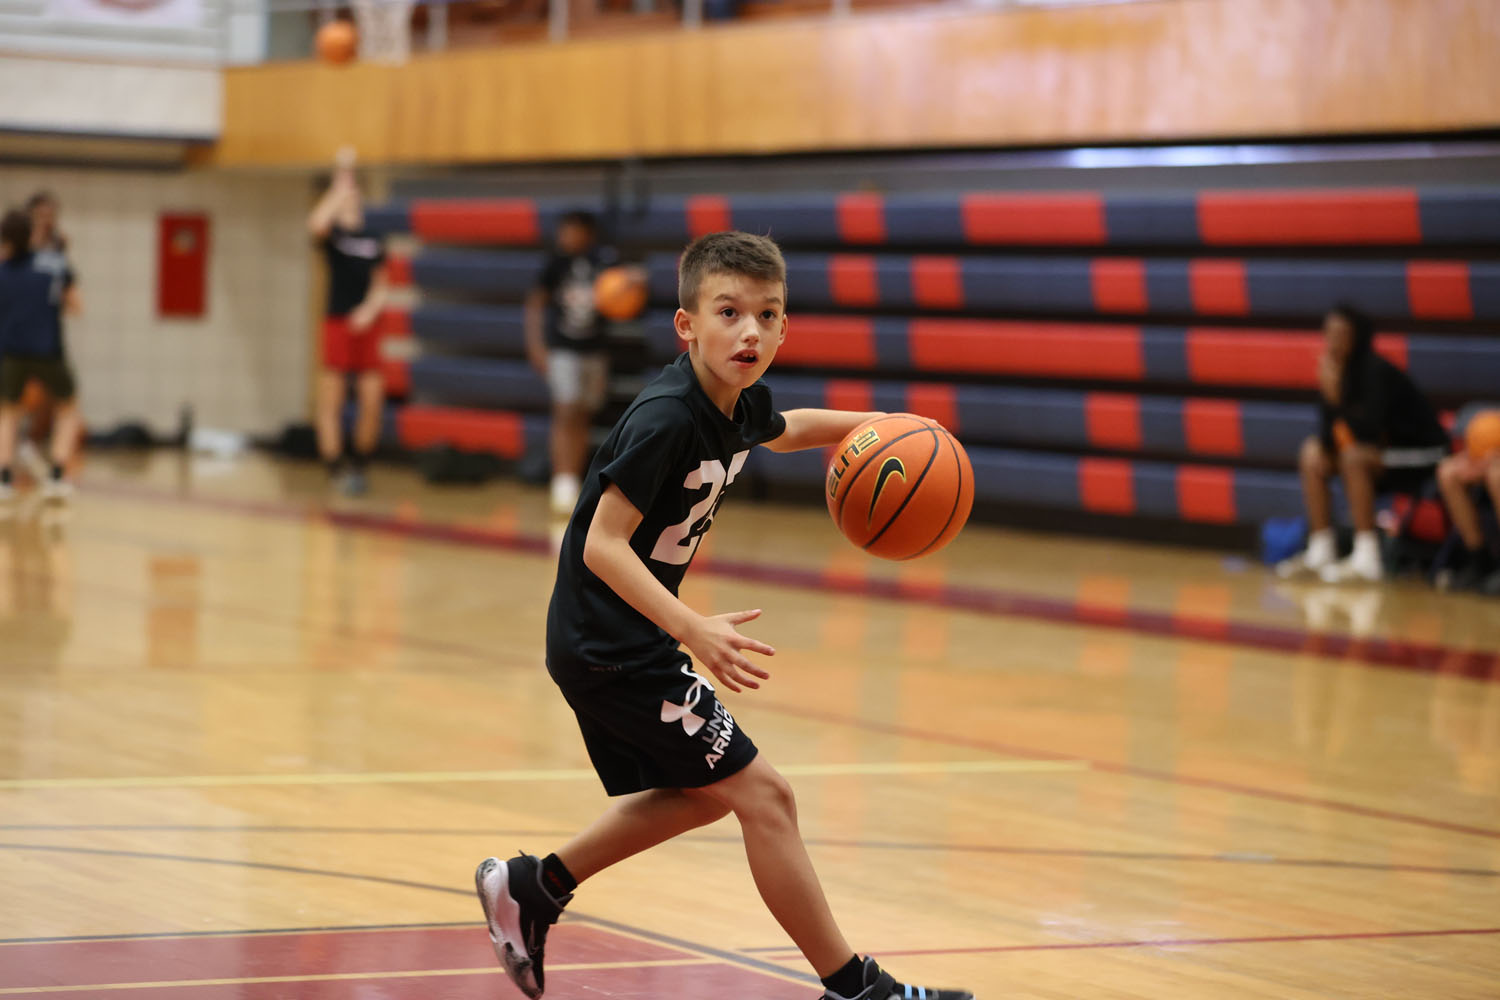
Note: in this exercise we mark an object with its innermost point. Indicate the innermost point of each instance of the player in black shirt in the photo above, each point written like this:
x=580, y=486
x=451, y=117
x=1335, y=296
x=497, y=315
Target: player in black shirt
x=619, y=639
x=565, y=340
x=351, y=329
x=31, y=347
x=1376, y=431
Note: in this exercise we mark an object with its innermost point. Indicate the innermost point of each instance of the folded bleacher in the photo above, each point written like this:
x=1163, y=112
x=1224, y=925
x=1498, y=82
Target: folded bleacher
x=1148, y=355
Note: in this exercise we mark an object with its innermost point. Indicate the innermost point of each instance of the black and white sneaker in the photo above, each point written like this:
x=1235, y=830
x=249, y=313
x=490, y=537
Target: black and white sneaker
x=518, y=910
x=881, y=985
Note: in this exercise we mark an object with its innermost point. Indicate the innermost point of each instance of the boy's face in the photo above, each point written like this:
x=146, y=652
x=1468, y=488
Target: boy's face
x=574, y=238
x=1338, y=337
x=735, y=331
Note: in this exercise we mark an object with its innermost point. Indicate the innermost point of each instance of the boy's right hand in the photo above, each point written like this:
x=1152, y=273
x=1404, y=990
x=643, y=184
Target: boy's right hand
x=717, y=645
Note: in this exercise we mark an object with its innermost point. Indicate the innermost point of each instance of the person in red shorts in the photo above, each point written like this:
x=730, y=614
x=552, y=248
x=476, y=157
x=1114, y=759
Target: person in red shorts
x=351, y=327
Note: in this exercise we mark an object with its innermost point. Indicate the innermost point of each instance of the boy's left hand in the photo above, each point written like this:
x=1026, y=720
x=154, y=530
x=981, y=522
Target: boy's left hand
x=718, y=646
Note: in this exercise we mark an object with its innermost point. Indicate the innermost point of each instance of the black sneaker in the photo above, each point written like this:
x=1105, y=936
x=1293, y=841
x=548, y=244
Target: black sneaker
x=881, y=985
x=519, y=911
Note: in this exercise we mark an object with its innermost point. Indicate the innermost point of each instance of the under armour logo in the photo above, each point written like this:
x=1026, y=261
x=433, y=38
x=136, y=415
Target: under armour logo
x=691, y=721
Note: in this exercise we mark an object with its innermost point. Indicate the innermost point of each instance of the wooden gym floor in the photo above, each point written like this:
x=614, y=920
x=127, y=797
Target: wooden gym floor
x=254, y=739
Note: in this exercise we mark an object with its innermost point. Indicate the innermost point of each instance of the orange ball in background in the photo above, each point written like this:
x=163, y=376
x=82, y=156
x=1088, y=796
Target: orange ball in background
x=1482, y=436
x=337, y=41
x=900, y=486
x=620, y=293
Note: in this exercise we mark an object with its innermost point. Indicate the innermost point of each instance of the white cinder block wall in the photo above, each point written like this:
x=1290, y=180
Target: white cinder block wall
x=245, y=366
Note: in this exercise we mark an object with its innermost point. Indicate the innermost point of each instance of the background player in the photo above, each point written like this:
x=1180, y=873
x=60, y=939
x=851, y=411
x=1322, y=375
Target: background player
x=31, y=347
x=656, y=732
x=565, y=341
x=1377, y=432
x=351, y=327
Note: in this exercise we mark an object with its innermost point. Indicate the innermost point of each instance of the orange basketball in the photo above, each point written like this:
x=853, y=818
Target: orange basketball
x=337, y=41
x=900, y=486
x=620, y=293
x=1482, y=436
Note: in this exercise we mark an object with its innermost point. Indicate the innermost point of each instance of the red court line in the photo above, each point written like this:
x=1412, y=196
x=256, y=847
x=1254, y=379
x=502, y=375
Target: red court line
x=88, y=963
x=563, y=984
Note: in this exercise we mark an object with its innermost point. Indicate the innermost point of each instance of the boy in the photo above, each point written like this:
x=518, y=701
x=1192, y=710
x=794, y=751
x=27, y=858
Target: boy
x=49, y=249
x=1377, y=432
x=565, y=342
x=351, y=334
x=656, y=731
x=31, y=346
x=1478, y=569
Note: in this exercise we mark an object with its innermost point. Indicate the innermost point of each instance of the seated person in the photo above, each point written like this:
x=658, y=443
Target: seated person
x=1477, y=567
x=1377, y=433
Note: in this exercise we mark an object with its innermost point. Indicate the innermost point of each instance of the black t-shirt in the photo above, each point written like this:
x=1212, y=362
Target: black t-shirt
x=673, y=455
x=31, y=301
x=1382, y=406
x=573, y=324
x=352, y=260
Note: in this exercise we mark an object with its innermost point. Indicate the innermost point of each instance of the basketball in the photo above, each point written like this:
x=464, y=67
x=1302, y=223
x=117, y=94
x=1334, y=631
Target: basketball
x=620, y=293
x=1482, y=437
x=900, y=486
x=337, y=41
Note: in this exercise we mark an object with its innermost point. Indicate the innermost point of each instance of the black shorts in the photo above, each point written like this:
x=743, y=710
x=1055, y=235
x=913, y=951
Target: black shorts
x=659, y=727
x=54, y=374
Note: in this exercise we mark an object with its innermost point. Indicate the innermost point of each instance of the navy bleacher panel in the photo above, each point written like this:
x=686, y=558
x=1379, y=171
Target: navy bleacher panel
x=1455, y=366
x=1459, y=216
x=494, y=273
x=478, y=383
x=1151, y=220
x=483, y=329
x=1307, y=288
x=391, y=217
x=919, y=221
x=1018, y=477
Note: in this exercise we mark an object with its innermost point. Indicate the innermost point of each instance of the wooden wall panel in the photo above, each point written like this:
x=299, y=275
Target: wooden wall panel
x=1160, y=70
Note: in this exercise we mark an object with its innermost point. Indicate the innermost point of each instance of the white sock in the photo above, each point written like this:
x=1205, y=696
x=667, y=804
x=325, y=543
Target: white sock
x=1366, y=547
x=1320, y=547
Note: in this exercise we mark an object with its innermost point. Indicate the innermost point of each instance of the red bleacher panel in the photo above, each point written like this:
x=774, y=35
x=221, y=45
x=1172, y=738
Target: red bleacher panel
x=861, y=218
x=935, y=401
x=471, y=430
x=1106, y=485
x=849, y=394
x=1219, y=288
x=1049, y=349
x=1119, y=285
x=395, y=351
x=1059, y=219
x=1113, y=420
x=476, y=220
x=1213, y=427
x=1439, y=289
x=1253, y=357
x=937, y=282
x=1309, y=217
x=398, y=270
x=851, y=280
x=708, y=213
x=835, y=341
x=1205, y=494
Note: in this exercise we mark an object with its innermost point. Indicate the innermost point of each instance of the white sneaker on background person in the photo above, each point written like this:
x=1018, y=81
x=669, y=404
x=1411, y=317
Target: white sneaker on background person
x=1321, y=552
x=56, y=489
x=1363, y=565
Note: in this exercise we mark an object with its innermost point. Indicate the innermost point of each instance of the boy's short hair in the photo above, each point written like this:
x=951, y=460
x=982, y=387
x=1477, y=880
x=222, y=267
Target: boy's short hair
x=15, y=232
x=733, y=252
x=580, y=217
x=42, y=197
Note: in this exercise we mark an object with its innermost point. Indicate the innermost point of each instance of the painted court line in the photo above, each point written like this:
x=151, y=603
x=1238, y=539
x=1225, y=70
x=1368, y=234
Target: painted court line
x=526, y=775
x=491, y=970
